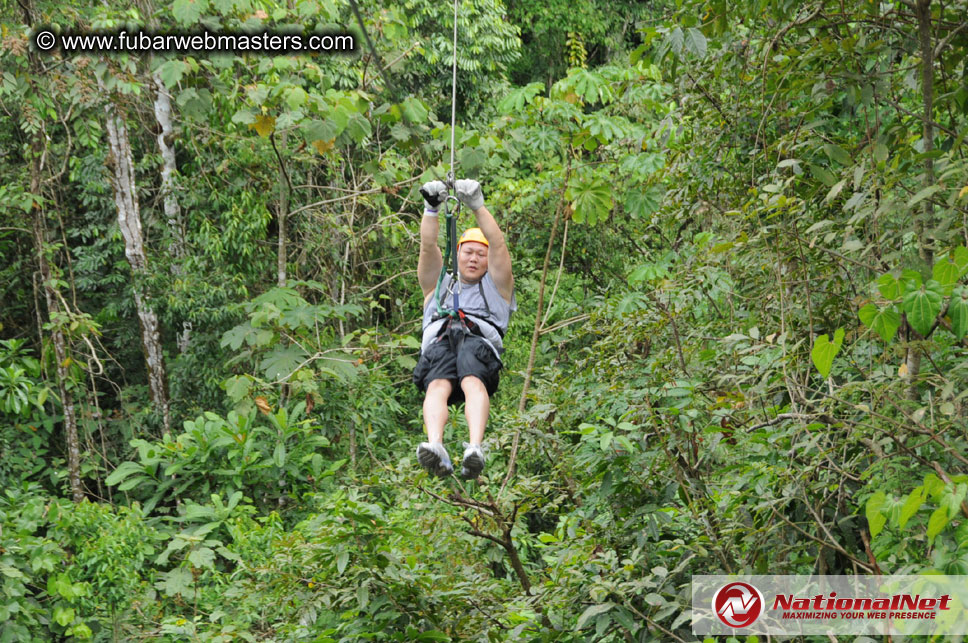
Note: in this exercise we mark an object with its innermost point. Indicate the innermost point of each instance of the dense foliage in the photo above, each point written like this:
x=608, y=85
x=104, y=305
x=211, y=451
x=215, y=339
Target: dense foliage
x=739, y=240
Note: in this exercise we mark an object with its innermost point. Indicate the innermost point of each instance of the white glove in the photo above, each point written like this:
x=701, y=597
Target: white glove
x=434, y=192
x=469, y=193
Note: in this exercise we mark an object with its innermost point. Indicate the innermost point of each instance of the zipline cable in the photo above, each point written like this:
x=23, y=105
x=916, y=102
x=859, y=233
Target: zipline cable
x=450, y=253
x=453, y=100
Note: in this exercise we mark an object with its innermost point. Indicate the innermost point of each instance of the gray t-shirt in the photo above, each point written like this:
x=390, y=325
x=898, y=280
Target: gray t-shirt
x=481, y=302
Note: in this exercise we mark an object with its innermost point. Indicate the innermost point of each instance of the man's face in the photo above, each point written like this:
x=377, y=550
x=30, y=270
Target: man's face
x=472, y=260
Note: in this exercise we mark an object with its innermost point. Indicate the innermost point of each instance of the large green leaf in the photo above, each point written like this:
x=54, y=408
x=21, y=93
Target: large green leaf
x=937, y=522
x=591, y=200
x=910, y=281
x=673, y=41
x=922, y=306
x=958, y=311
x=824, y=351
x=187, y=12
x=124, y=470
x=837, y=153
x=888, y=286
x=640, y=204
x=911, y=506
x=695, y=42
x=923, y=194
x=281, y=361
x=516, y=100
x=949, y=269
x=591, y=86
x=415, y=111
x=875, y=517
x=884, y=322
x=593, y=610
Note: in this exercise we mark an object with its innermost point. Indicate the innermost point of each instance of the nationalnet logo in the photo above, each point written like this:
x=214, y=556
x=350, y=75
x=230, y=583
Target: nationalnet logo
x=908, y=605
x=738, y=604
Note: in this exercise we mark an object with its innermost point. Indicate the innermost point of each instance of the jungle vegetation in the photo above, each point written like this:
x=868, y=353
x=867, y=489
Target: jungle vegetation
x=739, y=238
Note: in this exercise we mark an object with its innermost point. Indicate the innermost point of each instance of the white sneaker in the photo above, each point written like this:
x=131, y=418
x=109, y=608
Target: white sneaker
x=433, y=457
x=473, y=462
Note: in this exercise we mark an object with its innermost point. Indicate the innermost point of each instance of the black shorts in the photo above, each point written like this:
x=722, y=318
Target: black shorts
x=475, y=358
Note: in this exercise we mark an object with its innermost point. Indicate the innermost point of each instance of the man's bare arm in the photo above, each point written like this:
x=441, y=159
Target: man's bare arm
x=498, y=257
x=430, y=261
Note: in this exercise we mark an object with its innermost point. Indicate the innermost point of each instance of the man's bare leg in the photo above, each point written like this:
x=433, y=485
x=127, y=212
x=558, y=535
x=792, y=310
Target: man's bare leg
x=477, y=406
x=435, y=409
x=431, y=454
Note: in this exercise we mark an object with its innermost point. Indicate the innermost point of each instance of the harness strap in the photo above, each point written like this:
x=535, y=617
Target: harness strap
x=460, y=312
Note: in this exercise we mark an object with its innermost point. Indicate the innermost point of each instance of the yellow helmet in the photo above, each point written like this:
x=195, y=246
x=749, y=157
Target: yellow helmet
x=472, y=234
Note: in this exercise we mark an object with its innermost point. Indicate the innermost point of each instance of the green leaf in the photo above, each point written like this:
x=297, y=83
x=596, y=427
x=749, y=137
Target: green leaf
x=202, y=557
x=880, y=152
x=641, y=204
x=695, y=42
x=673, y=42
x=187, y=12
x=516, y=100
x=888, y=286
x=124, y=470
x=342, y=560
x=837, y=153
x=961, y=260
x=937, y=522
x=282, y=361
x=823, y=174
x=415, y=111
x=279, y=455
x=238, y=386
x=591, y=86
x=131, y=483
x=914, y=501
x=875, y=516
x=824, y=351
x=296, y=97
x=593, y=610
x=835, y=190
x=358, y=128
x=910, y=281
x=172, y=71
x=958, y=311
x=178, y=582
x=63, y=615
x=953, y=500
x=591, y=200
x=81, y=631
x=471, y=160
x=946, y=272
x=923, y=194
x=883, y=322
x=922, y=306
x=56, y=585
x=933, y=486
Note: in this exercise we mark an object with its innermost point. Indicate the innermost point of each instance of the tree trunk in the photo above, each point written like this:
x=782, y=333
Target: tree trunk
x=282, y=212
x=129, y=220
x=53, y=299
x=51, y=295
x=172, y=211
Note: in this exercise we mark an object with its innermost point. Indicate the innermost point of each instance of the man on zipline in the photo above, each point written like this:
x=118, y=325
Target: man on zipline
x=460, y=355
